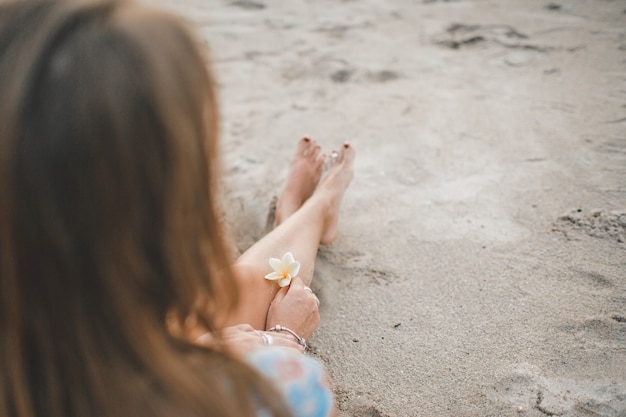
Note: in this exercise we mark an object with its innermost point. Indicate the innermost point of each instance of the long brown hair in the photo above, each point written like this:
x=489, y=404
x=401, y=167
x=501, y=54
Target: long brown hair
x=108, y=155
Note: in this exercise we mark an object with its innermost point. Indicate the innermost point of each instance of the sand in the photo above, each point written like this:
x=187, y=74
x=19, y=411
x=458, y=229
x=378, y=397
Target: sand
x=480, y=267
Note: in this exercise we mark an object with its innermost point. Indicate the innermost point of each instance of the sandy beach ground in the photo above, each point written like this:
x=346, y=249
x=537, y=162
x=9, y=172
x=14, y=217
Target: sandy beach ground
x=480, y=267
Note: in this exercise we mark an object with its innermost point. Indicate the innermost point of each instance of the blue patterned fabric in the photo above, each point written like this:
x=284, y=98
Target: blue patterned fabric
x=301, y=379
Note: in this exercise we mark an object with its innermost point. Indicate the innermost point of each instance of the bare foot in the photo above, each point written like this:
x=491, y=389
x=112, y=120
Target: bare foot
x=332, y=188
x=305, y=171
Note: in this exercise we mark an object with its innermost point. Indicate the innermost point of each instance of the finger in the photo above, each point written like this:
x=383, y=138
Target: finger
x=284, y=340
x=316, y=299
x=314, y=304
x=244, y=342
x=235, y=330
x=299, y=287
x=281, y=294
x=228, y=331
x=276, y=339
x=309, y=290
x=297, y=284
x=203, y=340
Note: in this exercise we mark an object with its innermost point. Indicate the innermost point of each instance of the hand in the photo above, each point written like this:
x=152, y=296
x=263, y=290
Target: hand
x=295, y=308
x=243, y=339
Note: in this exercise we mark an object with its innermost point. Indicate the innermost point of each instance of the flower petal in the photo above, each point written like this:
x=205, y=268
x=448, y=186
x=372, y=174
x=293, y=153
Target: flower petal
x=288, y=258
x=285, y=281
x=276, y=264
x=293, y=268
x=274, y=276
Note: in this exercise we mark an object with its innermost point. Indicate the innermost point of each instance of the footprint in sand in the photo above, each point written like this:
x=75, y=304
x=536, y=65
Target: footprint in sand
x=336, y=270
x=606, y=332
x=595, y=280
x=357, y=407
x=520, y=51
x=459, y=35
x=344, y=75
x=357, y=268
x=598, y=223
x=527, y=391
x=338, y=71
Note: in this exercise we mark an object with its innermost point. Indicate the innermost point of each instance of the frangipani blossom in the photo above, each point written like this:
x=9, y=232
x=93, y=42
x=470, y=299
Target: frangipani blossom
x=284, y=269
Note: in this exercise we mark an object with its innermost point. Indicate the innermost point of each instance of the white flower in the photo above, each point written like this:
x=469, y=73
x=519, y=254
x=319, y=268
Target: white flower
x=284, y=269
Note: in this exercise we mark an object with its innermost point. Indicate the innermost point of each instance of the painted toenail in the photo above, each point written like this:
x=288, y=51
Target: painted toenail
x=346, y=145
x=306, y=139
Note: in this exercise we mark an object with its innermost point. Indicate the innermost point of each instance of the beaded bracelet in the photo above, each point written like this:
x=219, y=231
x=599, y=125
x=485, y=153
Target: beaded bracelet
x=279, y=328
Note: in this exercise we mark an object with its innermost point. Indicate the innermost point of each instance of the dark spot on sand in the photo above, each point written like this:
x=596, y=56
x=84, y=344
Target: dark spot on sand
x=454, y=44
x=458, y=35
x=551, y=71
x=341, y=76
x=355, y=340
x=619, y=319
x=335, y=31
x=382, y=76
x=395, y=326
x=543, y=409
x=576, y=48
x=553, y=6
x=249, y=5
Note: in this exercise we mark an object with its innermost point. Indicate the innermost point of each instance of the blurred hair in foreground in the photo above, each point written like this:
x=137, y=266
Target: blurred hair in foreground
x=108, y=163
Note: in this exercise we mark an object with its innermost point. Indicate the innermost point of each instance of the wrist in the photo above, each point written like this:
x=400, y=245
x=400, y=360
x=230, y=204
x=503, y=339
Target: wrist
x=282, y=329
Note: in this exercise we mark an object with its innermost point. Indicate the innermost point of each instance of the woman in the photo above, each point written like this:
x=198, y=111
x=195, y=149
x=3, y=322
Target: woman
x=117, y=296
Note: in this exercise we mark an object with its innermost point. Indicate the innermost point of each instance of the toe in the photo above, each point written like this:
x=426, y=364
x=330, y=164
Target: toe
x=332, y=159
x=303, y=145
x=314, y=152
x=347, y=153
x=319, y=163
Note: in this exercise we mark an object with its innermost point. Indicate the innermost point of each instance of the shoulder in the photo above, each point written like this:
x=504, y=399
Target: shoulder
x=301, y=379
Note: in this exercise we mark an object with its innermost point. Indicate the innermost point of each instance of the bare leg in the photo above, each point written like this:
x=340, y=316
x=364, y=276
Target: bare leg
x=305, y=171
x=300, y=233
